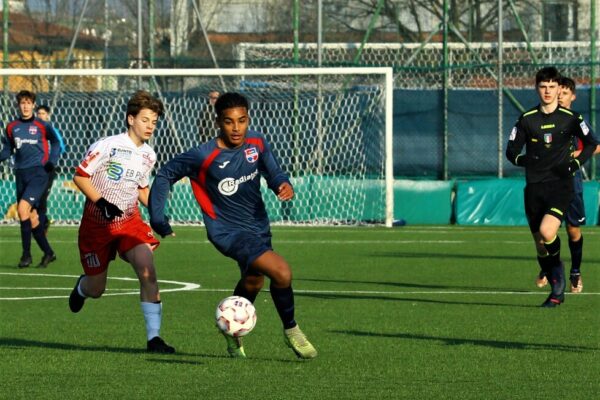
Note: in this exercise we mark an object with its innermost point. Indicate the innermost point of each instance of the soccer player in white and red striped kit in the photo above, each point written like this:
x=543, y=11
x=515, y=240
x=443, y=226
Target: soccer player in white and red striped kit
x=113, y=176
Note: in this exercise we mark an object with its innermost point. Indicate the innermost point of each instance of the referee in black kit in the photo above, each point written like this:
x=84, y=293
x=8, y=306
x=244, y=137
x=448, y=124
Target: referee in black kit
x=547, y=133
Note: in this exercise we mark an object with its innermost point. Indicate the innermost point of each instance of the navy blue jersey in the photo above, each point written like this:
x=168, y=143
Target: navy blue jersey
x=225, y=182
x=33, y=141
x=578, y=145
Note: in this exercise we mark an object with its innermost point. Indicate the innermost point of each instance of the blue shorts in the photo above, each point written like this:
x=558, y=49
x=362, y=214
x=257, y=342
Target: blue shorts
x=576, y=211
x=244, y=247
x=31, y=184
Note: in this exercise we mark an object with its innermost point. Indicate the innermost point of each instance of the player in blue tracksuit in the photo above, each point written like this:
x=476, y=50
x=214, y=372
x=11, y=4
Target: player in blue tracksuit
x=225, y=176
x=43, y=113
x=36, y=149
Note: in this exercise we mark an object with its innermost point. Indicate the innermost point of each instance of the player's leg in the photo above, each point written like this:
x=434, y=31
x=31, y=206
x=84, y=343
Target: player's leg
x=279, y=272
x=39, y=234
x=535, y=211
x=136, y=247
x=96, y=250
x=36, y=184
x=541, y=279
x=549, y=233
x=24, y=211
x=576, y=218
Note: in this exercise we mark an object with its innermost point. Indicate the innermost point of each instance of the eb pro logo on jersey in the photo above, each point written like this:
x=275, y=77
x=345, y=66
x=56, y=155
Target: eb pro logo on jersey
x=114, y=171
x=251, y=154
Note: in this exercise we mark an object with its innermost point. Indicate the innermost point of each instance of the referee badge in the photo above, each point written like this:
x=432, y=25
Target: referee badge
x=547, y=138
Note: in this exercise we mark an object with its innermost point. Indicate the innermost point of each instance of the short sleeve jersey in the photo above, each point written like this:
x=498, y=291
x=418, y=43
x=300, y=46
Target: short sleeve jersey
x=117, y=168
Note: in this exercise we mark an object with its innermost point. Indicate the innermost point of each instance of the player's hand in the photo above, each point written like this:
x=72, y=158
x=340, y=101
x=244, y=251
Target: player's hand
x=163, y=228
x=567, y=169
x=49, y=166
x=108, y=209
x=521, y=160
x=285, y=191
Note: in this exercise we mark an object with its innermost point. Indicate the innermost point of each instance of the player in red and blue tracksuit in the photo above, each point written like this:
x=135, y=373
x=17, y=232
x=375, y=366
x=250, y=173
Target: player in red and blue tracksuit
x=36, y=149
x=225, y=177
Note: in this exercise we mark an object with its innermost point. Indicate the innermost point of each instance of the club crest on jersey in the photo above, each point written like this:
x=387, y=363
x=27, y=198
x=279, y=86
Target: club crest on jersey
x=32, y=130
x=547, y=138
x=251, y=154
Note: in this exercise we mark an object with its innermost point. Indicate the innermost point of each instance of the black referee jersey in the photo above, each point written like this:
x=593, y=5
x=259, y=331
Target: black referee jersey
x=548, y=140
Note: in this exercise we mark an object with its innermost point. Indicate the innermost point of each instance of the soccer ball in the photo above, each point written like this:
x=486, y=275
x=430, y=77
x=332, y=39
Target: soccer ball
x=236, y=316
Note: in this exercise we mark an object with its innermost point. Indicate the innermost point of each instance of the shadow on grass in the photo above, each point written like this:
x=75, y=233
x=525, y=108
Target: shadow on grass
x=16, y=343
x=499, y=344
x=413, y=285
x=358, y=296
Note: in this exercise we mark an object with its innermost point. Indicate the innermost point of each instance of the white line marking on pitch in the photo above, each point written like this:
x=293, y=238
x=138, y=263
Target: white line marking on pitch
x=185, y=286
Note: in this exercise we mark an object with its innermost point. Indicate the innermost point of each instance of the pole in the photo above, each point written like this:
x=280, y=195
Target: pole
x=374, y=18
x=5, y=56
x=151, y=36
x=445, y=92
x=500, y=88
x=106, y=34
x=296, y=116
x=208, y=45
x=593, y=64
x=319, y=87
x=140, y=49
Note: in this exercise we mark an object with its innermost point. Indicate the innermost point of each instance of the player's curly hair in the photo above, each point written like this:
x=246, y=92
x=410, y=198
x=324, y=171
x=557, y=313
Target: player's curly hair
x=230, y=100
x=143, y=99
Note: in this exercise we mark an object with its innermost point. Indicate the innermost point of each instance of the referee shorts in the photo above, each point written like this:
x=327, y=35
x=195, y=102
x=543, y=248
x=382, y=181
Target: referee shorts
x=543, y=198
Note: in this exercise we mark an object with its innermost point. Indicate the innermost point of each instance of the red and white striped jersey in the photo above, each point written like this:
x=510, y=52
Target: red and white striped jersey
x=117, y=168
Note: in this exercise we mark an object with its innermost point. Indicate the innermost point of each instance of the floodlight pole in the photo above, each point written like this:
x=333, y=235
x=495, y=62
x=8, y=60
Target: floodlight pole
x=139, y=40
x=500, y=88
x=593, y=33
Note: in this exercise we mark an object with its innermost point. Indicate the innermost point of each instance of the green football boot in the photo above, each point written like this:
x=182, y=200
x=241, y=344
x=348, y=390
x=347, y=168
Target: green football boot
x=235, y=348
x=297, y=341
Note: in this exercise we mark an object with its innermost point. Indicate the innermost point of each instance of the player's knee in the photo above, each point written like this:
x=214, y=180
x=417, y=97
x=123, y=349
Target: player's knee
x=23, y=210
x=254, y=284
x=574, y=233
x=283, y=276
x=148, y=276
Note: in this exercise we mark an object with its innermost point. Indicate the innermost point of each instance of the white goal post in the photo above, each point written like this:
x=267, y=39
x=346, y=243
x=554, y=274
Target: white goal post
x=331, y=129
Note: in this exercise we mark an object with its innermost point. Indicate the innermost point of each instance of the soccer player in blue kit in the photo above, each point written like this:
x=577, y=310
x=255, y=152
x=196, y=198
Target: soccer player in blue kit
x=225, y=175
x=36, y=148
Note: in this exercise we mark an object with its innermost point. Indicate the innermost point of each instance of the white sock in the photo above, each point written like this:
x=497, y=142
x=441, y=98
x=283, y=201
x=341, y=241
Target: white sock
x=152, y=316
x=79, y=289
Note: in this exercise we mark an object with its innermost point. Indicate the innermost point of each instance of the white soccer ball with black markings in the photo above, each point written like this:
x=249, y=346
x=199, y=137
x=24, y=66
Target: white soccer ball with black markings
x=236, y=316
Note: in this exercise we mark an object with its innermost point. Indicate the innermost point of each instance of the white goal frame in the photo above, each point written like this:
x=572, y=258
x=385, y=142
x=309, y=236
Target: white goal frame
x=386, y=72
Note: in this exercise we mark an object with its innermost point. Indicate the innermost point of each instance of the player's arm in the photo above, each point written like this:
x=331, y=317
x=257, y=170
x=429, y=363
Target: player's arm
x=277, y=179
x=52, y=137
x=7, y=148
x=143, y=194
x=186, y=164
x=109, y=210
x=516, y=141
x=590, y=145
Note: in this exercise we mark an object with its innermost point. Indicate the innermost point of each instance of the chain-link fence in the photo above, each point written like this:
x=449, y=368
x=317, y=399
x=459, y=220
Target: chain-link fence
x=451, y=58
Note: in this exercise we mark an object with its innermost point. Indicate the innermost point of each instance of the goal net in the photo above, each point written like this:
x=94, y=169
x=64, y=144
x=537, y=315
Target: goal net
x=329, y=127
